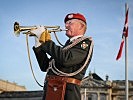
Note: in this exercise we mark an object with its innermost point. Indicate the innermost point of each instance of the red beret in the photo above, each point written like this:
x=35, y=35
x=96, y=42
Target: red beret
x=75, y=16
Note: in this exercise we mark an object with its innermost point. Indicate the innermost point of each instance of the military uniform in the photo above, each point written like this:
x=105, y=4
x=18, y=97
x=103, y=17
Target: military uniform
x=68, y=61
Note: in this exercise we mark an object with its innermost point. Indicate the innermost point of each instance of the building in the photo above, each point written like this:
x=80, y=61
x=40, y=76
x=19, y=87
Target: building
x=93, y=88
x=118, y=90
x=8, y=86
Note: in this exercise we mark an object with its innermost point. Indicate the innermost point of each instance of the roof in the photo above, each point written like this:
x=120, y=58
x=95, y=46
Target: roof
x=95, y=76
x=93, y=80
x=21, y=94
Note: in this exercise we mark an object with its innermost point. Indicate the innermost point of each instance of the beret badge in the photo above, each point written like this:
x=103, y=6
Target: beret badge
x=70, y=16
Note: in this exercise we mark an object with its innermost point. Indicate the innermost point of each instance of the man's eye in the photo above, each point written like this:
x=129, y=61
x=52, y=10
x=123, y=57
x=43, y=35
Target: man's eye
x=70, y=22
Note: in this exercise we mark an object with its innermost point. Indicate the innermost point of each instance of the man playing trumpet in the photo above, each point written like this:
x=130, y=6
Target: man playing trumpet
x=67, y=65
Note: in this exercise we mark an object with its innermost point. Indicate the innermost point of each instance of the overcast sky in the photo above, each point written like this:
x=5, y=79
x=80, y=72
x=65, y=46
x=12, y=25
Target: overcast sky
x=105, y=21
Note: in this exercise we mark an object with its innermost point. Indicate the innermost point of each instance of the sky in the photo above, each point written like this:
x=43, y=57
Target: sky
x=105, y=22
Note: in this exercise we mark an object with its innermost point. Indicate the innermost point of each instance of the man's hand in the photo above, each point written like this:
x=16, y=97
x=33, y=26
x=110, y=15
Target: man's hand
x=45, y=36
x=38, y=32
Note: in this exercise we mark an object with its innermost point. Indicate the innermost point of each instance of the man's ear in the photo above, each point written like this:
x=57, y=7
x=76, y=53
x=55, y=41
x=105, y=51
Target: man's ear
x=81, y=27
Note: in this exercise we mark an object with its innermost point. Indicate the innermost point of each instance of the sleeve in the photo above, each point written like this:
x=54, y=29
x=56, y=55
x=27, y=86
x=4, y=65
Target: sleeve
x=67, y=58
x=42, y=58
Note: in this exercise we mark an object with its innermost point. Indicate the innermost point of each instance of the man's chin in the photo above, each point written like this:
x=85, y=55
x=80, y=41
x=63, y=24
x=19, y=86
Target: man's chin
x=68, y=35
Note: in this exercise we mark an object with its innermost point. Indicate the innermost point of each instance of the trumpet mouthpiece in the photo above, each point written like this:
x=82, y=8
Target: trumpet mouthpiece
x=64, y=29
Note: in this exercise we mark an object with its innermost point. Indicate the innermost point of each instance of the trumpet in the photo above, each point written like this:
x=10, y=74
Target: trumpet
x=18, y=29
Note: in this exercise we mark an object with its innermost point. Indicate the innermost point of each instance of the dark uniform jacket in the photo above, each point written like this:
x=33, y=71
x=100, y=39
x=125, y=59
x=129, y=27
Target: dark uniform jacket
x=68, y=61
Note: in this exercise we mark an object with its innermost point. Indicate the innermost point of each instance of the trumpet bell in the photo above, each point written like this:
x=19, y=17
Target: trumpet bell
x=16, y=29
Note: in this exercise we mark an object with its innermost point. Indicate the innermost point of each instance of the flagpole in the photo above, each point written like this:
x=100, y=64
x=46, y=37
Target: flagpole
x=126, y=61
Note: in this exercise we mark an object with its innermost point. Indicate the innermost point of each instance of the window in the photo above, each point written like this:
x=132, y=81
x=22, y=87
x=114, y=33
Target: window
x=102, y=96
x=92, y=96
